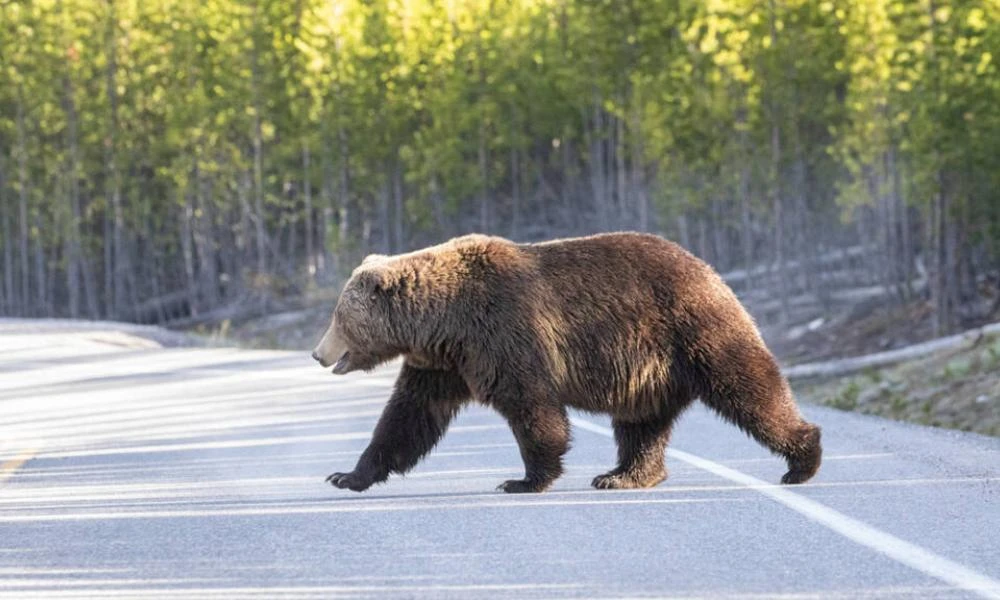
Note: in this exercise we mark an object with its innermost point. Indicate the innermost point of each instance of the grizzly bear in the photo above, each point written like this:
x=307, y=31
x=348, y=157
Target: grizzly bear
x=626, y=324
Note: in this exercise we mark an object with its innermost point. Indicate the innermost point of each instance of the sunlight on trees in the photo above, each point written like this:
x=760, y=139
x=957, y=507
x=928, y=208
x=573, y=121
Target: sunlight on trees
x=172, y=156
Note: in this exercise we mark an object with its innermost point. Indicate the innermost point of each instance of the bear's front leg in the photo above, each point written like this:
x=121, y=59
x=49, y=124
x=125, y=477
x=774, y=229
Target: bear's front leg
x=542, y=434
x=421, y=407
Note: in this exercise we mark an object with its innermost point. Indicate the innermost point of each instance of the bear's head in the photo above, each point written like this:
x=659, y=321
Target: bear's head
x=361, y=335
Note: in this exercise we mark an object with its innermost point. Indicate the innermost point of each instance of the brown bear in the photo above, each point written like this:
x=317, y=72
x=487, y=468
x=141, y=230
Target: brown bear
x=626, y=324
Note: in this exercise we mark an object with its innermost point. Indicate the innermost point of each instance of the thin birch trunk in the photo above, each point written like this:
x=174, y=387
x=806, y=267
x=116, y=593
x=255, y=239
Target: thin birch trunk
x=308, y=209
x=746, y=222
x=328, y=202
x=258, y=149
x=906, y=233
x=22, y=208
x=622, y=174
x=187, y=250
x=72, y=241
x=385, y=211
x=515, y=194
x=638, y=179
x=344, y=205
x=594, y=134
x=398, y=207
x=779, y=217
x=42, y=305
x=484, y=208
x=9, y=305
x=120, y=263
x=565, y=189
x=208, y=279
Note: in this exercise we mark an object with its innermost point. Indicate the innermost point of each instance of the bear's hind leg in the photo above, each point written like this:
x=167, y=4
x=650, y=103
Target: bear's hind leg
x=641, y=446
x=770, y=416
x=542, y=434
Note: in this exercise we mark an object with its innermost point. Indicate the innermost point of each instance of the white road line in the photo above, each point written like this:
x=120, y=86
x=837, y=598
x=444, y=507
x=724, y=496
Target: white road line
x=242, y=443
x=861, y=533
x=325, y=507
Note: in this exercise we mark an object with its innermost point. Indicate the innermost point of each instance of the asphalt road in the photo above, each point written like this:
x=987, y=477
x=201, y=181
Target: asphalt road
x=150, y=473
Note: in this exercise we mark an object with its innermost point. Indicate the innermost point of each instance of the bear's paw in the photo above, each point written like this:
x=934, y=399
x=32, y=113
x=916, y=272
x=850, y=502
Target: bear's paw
x=349, y=481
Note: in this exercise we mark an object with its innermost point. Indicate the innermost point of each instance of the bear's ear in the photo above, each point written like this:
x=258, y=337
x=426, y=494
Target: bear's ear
x=375, y=283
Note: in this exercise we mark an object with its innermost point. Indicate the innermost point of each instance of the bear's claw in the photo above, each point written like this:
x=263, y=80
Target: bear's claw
x=796, y=476
x=521, y=486
x=348, y=481
x=615, y=480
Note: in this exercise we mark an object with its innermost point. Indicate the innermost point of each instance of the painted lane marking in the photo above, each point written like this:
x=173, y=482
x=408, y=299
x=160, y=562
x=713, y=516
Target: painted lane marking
x=901, y=551
x=244, y=443
x=326, y=507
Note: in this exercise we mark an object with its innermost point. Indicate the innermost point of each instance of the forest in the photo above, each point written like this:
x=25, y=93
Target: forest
x=165, y=160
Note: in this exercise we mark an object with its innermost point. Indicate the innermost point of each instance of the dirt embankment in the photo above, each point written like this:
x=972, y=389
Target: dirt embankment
x=957, y=387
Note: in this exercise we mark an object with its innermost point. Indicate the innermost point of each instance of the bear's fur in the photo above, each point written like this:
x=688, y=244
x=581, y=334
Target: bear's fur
x=625, y=324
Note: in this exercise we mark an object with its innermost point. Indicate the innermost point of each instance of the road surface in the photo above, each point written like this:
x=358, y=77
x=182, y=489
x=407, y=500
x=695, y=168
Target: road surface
x=199, y=473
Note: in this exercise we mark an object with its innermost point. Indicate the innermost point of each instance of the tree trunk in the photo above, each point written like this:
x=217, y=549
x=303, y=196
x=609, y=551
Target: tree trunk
x=720, y=245
x=746, y=223
x=346, y=218
x=841, y=367
x=72, y=241
x=328, y=202
x=703, y=244
x=805, y=248
x=42, y=306
x=308, y=209
x=638, y=179
x=594, y=135
x=286, y=260
x=779, y=217
x=398, y=207
x=484, y=207
x=385, y=211
x=565, y=190
x=108, y=263
x=515, y=194
x=208, y=277
x=624, y=218
x=258, y=150
x=22, y=208
x=120, y=263
x=684, y=231
x=244, y=245
x=779, y=222
x=187, y=250
x=10, y=303
x=904, y=253
x=942, y=281
x=437, y=206
x=893, y=278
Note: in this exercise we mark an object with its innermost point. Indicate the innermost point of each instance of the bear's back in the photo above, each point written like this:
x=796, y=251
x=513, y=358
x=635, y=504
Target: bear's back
x=635, y=314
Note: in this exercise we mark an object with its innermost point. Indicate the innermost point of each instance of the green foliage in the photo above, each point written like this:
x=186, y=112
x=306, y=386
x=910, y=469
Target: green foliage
x=847, y=397
x=163, y=145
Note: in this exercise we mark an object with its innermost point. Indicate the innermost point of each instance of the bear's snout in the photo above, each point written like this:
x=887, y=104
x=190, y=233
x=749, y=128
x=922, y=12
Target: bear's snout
x=333, y=351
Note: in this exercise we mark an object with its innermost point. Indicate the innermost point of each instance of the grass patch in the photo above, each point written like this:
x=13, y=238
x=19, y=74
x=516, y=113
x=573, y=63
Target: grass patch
x=847, y=398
